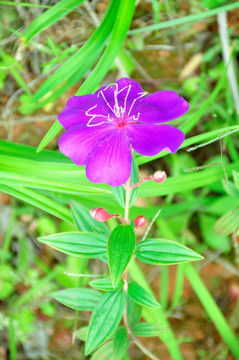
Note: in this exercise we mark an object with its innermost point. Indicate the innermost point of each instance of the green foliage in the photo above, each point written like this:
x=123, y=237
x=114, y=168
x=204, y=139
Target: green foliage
x=85, y=244
x=56, y=12
x=106, y=284
x=78, y=299
x=121, y=343
x=140, y=296
x=84, y=221
x=120, y=249
x=105, y=319
x=228, y=223
x=50, y=182
x=147, y=329
x=164, y=252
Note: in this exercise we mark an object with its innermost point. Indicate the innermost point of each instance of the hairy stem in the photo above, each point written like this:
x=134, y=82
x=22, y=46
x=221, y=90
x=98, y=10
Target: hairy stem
x=128, y=188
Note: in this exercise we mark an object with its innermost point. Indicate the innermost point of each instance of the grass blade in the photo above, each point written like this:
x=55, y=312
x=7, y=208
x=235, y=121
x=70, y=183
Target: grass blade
x=186, y=19
x=40, y=201
x=212, y=310
x=49, y=17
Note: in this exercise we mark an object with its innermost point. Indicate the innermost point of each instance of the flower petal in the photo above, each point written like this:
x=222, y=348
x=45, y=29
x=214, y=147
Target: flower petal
x=161, y=107
x=150, y=139
x=77, y=107
x=110, y=159
x=127, y=91
x=77, y=142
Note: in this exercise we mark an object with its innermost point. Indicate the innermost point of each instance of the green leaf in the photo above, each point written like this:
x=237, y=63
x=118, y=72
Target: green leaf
x=119, y=191
x=121, y=343
x=85, y=244
x=51, y=133
x=190, y=181
x=81, y=333
x=213, y=311
x=230, y=188
x=90, y=50
x=124, y=15
x=105, y=319
x=49, y=17
x=36, y=182
x=235, y=175
x=213, y=240
x=141, y=296
x=84, y=221
x=120, y=249
x=78, y=299
x=106, y=351
x=211, y=4
x=105, y=284
x=186, y=19
x=164, y=252
x=39, y=201
x=228, y=223
x=147, y=329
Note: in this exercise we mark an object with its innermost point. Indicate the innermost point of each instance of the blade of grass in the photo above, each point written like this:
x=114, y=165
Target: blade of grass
x=121, y=26
x=92, y=48
x=212, y=310
x=156, y=315
x=40, y=201
x=49, y=17
x=35, y=182
x=186, y=19
x=8, y=237
x=193, y=180
x=12, y=340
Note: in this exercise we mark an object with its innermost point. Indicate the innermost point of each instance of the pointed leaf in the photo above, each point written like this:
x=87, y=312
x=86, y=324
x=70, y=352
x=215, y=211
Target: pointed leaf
x=121, y=343
x=141, y=296
x=105, y=284
x=85, y=244
x=230, y=188
x=78, y=299
x=164, y=252
x=235, y=175
x=81, y=333
x=148, y=329
x=105, y=319
x=228, y=223
x=120, y=249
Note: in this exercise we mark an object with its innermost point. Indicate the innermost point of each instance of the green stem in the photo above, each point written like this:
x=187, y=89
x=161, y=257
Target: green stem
x=125, y=278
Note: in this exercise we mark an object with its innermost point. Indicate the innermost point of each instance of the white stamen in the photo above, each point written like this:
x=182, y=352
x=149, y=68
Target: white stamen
x=142, y=94
x=93, y=116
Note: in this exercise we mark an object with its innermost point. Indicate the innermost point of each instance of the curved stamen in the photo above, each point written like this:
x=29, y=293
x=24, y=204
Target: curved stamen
x=101, y=92
x=93, y=116
x=139, y=97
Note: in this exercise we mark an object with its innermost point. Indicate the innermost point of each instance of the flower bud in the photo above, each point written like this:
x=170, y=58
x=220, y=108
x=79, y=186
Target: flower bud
x=139, y=221
x=100, y=214
x=159, y=176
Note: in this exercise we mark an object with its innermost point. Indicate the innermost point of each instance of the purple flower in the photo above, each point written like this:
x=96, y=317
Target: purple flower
x=102, y=128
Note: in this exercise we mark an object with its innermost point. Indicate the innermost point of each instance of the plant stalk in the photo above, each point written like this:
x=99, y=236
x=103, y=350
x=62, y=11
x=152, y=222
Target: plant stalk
x=125, y=279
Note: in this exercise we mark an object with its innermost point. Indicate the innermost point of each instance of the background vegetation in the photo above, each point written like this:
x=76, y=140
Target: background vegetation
x=51, y=50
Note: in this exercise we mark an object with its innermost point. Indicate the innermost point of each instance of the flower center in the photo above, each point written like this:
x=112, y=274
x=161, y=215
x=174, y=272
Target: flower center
x=119, y=114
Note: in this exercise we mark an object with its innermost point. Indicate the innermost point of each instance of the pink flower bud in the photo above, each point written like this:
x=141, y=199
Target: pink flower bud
x=139, y=221
x=159, y=176
x=100, y=214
